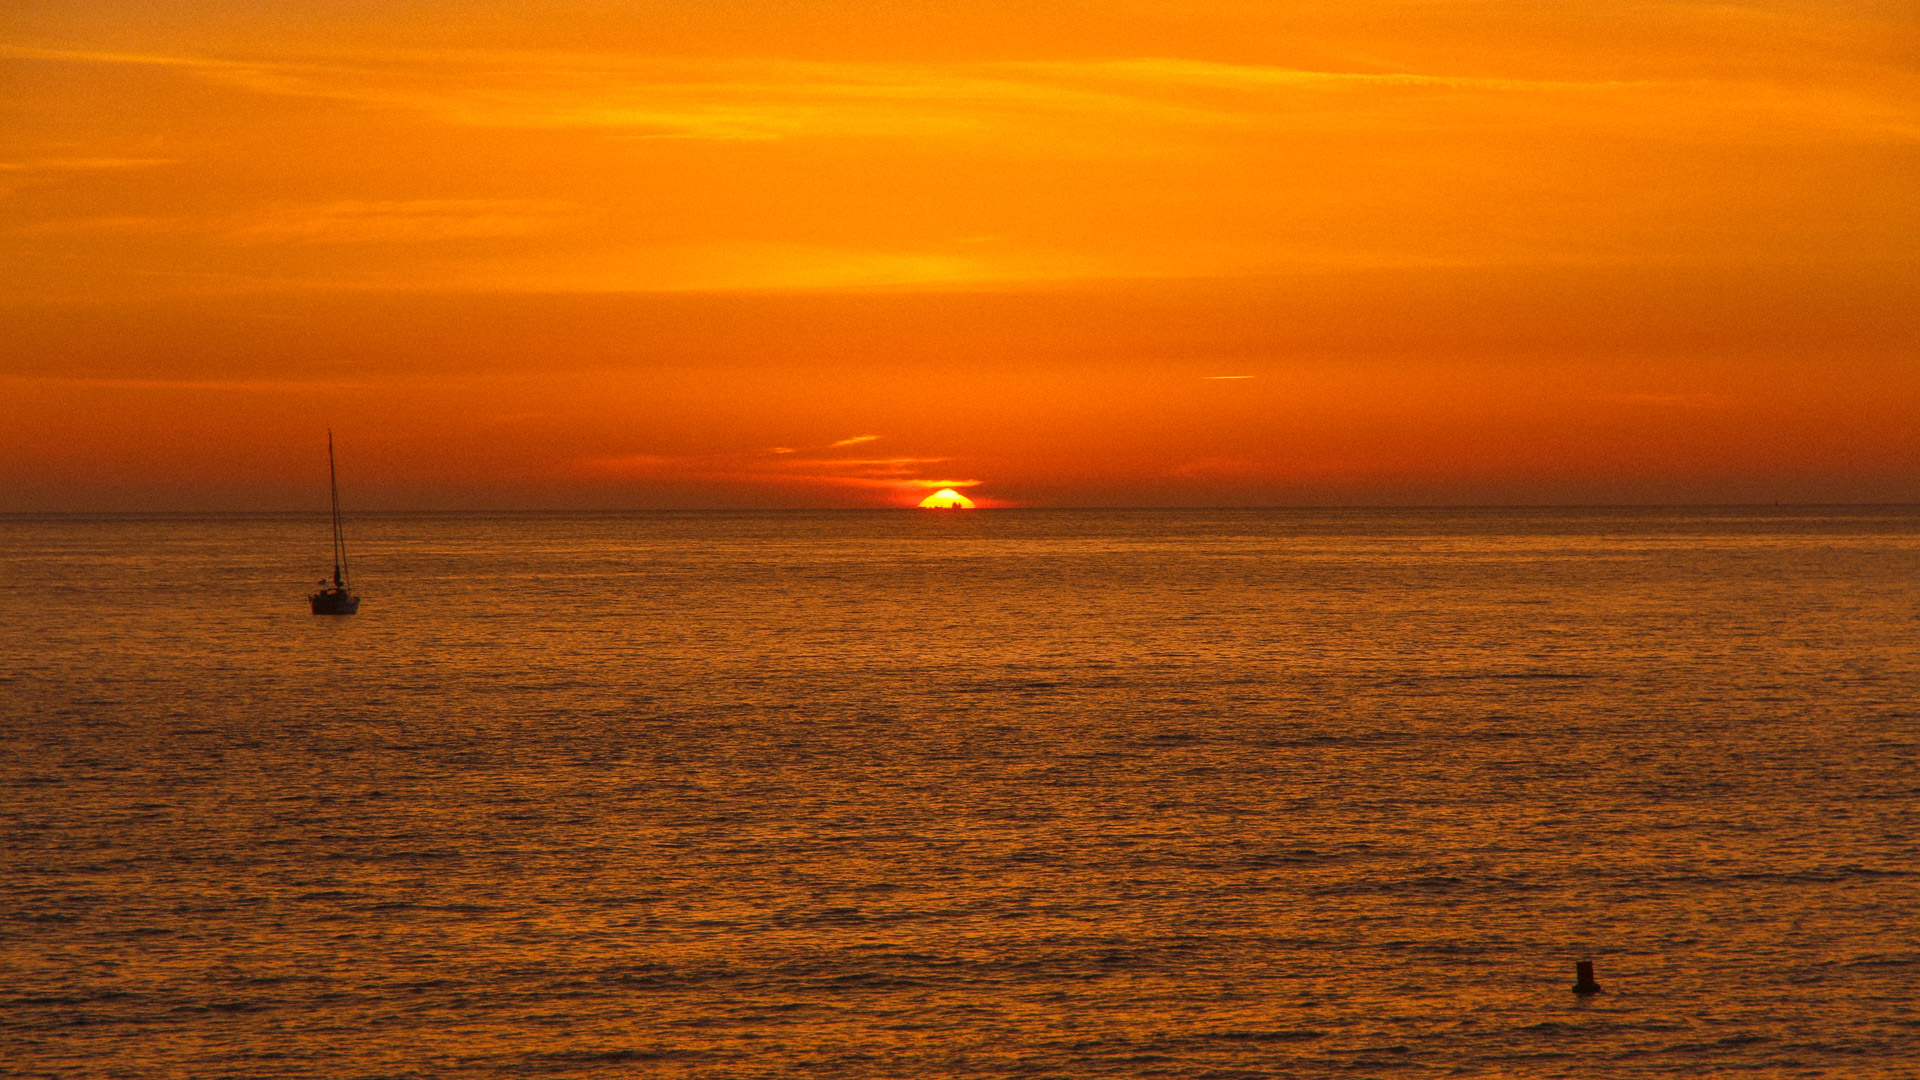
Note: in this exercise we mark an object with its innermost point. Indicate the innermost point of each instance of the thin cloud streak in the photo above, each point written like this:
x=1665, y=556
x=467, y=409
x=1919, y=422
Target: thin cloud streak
x=401, y=221
x=97, y=164
x=757, y=100
x=247, y=386
x=894, y=474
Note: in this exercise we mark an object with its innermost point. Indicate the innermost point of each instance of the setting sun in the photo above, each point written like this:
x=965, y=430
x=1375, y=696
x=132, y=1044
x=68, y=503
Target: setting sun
x=946, y=499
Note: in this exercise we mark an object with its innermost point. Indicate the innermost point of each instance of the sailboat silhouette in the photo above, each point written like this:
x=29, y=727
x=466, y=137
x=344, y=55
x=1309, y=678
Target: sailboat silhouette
x=338, y=598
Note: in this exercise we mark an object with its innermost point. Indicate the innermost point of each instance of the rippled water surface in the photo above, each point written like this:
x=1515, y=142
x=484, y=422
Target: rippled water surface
x=914, y=794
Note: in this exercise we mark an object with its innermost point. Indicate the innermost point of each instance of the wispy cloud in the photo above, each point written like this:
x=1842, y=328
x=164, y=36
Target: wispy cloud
x=341, y=222
x=762, y=99
x=90, y=164
x=224, y=386
x=854, y=441
x=405, y=221
x=1665, y=401
x=112, y=225
x=903, y=477
x=1166, y=71
x=38, y=172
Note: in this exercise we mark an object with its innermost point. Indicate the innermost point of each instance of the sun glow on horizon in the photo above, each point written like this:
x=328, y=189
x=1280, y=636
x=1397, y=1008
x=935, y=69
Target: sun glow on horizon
x=946, y=499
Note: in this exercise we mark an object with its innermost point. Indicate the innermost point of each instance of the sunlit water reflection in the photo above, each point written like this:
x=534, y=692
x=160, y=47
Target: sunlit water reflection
x=943, y=794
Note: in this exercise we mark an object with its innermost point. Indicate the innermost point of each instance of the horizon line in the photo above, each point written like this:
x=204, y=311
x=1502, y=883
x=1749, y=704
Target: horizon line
x=1880, y=505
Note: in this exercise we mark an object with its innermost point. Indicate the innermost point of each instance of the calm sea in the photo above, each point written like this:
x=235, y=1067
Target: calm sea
x=1009, y=793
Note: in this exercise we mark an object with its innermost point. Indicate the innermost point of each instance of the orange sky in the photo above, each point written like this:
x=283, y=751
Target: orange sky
x=760, y=253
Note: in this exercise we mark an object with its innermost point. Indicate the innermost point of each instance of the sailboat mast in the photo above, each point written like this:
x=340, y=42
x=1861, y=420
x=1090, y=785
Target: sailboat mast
x=339, y=536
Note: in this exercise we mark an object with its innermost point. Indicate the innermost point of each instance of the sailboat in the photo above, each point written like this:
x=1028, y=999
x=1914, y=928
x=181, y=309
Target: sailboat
x=338, y=598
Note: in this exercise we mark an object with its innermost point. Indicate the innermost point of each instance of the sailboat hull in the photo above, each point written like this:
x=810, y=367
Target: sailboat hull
x=334, y=602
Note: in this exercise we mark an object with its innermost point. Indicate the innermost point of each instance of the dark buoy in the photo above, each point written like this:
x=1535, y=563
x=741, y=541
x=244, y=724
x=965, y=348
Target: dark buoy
x=1583, y=983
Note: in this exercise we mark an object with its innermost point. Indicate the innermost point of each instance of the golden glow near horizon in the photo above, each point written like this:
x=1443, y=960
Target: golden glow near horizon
x=566, y=252
x=946, y=499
